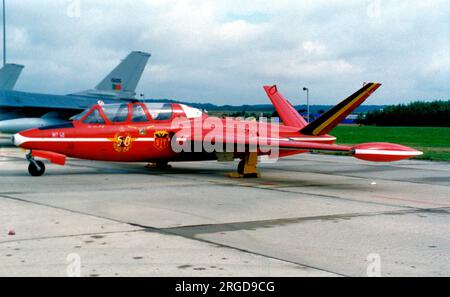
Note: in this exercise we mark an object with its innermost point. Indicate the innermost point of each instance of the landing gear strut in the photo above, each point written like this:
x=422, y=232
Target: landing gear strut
x=247, y=167
x=36, y=168
x=159, y=165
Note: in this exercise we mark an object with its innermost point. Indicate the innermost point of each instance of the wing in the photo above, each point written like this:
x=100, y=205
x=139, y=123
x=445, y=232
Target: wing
x=232, y=143
x=243, y=143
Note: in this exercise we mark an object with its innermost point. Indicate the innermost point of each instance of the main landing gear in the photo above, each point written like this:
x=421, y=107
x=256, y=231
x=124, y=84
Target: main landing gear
x=36, y=168
x=159, y=165
x=247, y=167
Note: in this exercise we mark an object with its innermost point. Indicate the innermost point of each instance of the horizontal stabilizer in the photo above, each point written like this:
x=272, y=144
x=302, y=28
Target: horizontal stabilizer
x=329, y=120
x=9, y=75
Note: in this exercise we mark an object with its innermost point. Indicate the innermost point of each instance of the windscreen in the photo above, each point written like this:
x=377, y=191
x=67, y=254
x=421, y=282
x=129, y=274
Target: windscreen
x=94, y=118
x=78, y=117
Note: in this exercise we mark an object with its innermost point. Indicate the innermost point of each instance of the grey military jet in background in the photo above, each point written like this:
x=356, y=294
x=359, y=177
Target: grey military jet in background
x=21, y=110
x=9, y=75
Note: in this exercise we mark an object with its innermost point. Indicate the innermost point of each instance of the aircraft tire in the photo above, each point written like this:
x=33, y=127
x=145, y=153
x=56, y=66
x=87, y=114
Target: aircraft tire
x=241, y=167
x=34, y=170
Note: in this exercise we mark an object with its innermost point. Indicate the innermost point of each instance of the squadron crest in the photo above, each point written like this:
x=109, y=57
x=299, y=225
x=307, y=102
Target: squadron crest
x=162, y=140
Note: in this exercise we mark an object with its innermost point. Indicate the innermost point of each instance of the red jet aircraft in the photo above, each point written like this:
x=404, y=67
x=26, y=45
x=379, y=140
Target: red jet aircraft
x=163, y=133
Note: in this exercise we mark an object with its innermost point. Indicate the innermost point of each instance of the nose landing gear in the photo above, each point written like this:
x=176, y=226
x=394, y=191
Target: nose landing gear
x=36, y=168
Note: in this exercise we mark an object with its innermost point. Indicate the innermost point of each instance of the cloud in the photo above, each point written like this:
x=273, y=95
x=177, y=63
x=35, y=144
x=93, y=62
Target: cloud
x=239, y=31
x=224, y=51
x=313, y=47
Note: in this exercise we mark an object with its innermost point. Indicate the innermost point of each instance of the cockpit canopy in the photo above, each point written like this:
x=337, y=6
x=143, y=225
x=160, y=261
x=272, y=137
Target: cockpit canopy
x=136, y=113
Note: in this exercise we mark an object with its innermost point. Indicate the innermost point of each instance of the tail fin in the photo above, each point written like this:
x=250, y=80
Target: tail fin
x=9, y=76
x=332, y=118
x=286, y=111
x=125, y=77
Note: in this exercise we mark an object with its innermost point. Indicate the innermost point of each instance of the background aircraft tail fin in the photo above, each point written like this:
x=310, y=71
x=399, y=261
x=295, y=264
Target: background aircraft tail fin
x=329, y=120
x=285, y=109
x=125, y=77
x=9, y=76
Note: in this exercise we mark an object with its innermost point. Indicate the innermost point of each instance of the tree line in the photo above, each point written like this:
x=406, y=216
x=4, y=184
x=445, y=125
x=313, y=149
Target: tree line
x=420, y=114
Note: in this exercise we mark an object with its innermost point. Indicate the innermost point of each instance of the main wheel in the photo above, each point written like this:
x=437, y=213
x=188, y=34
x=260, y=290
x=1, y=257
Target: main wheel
x=241, y=167
x=163, y=165
x=38, y=170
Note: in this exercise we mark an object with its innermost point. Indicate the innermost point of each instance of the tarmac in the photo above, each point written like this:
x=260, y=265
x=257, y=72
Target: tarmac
x=309, y=215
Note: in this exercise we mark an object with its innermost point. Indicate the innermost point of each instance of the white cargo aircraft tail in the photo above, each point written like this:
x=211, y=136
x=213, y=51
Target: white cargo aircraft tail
x=9, y=75
x=121, y=83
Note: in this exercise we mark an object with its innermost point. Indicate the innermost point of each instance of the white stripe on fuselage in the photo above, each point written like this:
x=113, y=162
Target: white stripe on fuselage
x=301, y=139
x=19, y=139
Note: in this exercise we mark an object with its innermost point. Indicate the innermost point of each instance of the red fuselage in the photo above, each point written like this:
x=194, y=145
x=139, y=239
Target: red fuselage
x=138, y=132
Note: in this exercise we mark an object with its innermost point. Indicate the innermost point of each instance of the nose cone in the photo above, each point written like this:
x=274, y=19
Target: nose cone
x=18, y=140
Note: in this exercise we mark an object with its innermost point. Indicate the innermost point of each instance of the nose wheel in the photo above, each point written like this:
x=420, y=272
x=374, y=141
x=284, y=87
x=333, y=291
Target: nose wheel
x=36, y=168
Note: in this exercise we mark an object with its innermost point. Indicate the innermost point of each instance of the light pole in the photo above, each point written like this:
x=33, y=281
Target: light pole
x=4, y=33
x=307, y=102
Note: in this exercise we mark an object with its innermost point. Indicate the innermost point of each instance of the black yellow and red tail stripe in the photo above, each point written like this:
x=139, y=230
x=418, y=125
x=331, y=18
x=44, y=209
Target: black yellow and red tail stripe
x=336, y=115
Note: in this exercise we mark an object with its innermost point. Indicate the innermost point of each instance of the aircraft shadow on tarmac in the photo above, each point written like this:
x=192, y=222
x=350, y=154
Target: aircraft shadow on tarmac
x=110, y=168
x=218, y=176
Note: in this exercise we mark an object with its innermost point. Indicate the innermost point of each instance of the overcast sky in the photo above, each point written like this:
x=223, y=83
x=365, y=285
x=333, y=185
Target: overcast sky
x=225, y=51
